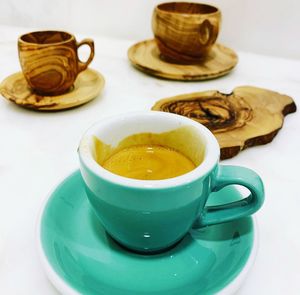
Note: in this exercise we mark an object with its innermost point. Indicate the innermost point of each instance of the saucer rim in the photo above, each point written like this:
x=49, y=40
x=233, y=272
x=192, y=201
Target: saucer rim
x=170, y=76
x=64, y=288
x=61, y=106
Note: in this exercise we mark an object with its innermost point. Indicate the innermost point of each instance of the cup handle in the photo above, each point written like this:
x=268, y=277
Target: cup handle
x=228, y=175
x=83, y=65
x=207, y=33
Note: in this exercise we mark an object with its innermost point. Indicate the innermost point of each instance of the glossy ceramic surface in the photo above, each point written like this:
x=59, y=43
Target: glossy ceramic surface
x=151, y=215
x=80, y=258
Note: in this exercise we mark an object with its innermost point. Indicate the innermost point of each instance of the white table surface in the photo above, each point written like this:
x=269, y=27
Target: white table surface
x=38, y=150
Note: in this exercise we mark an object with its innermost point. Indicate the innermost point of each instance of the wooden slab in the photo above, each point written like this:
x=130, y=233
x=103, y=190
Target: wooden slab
x=247, y=117
x=146, y=57
x=87, y=86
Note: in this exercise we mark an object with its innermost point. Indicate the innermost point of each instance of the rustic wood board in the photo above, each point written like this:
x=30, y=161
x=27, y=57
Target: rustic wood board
x=247, y=117
x=146, y=57
x=87, y=86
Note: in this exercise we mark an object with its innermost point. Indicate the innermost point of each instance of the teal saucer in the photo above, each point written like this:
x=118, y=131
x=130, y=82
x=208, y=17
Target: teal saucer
x=80, y=258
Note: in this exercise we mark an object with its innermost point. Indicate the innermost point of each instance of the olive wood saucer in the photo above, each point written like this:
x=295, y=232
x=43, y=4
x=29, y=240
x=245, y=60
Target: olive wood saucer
x=146, y=57
x=246, y=117
x=87, y=86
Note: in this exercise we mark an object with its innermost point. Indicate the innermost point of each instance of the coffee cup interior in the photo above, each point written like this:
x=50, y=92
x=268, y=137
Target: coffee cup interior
x=184, y=135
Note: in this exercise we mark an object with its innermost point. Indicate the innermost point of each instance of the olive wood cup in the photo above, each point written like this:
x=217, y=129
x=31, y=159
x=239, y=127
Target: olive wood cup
x=185, y=32
x=50, y=62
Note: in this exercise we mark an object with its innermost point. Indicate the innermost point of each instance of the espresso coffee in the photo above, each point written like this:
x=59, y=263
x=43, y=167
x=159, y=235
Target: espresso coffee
x=148, y=162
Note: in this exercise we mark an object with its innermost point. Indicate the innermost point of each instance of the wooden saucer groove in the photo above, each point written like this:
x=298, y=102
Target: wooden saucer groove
x=87, y=86
x=247, y=117
x=146, y=57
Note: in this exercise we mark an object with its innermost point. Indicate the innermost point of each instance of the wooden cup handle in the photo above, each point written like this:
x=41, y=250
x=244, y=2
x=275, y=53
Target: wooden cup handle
x=206, y=33
x=83, y=65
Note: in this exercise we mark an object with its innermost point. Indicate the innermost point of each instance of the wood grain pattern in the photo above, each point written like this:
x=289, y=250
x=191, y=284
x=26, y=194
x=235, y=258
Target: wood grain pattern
x=247, y=117
x=49, y=60
x=146, y=57
x=185, y=32
x=86, y=87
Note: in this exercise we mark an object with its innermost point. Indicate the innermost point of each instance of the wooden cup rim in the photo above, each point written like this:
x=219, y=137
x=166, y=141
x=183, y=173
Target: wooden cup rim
x=162, y=8
x=70, y=38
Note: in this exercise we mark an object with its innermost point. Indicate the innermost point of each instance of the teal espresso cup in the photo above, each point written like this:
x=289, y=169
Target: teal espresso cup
x=153, y=215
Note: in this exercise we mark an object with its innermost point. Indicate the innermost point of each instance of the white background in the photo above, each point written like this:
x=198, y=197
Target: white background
x=37, y=150
x=261, y=26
